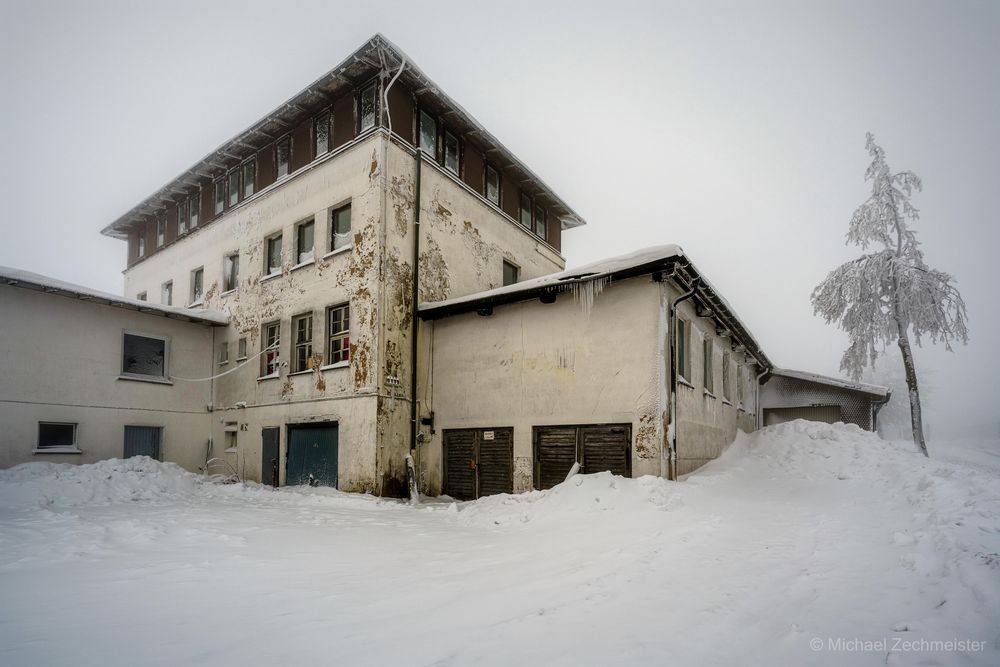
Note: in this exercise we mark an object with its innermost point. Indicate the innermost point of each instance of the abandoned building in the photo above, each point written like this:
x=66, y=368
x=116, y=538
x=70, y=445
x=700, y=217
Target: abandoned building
x=367, y=275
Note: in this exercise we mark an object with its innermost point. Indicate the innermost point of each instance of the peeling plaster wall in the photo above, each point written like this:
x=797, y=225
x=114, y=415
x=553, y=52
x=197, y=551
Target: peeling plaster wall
x=50, y=372
x=707, y=423
x=533, y=364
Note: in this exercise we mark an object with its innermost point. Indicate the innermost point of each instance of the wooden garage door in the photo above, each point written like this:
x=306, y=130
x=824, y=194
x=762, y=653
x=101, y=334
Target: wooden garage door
x=817, y=413
x=478, y=462
x=597, y=447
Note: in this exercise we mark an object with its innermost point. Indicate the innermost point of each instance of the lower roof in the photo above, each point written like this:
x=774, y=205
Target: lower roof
x=35, y=281
x=872, y=389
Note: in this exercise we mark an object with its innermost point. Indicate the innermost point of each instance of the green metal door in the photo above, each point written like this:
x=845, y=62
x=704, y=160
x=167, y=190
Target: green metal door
x=312, y=455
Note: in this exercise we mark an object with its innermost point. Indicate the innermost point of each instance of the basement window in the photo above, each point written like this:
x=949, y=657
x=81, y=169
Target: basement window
x=220, y=196
x=144, y=356
x=683, y=356
x=273, y=256
x=340, y=228
x=56, y=438
x=511, y=273
x=194, y=204
x=302, y=326
x=367, y=106
x=708, y=347
x=492, y=185
x=452, y=153
x=338, y=319
x=167, y=293
x=727, y=388
x=428, y=134
x=321, y=133
x=249, y=177
x=197, y=285
x=270, y=339
x=161, y=230
x=231, y=272
x=524, y=216
x=282, y=155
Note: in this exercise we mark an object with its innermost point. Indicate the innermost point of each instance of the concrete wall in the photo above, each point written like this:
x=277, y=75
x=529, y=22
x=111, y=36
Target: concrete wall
x=60, y=360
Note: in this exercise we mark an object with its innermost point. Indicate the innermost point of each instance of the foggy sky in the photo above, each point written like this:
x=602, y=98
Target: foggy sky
x=734, y=129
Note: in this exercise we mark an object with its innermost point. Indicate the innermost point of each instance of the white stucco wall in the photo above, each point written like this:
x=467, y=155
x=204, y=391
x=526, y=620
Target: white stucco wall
x=60, y=361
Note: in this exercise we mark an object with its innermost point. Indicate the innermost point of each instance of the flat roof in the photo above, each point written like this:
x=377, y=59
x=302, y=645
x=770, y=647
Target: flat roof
x=38, y=282
x=873, y=389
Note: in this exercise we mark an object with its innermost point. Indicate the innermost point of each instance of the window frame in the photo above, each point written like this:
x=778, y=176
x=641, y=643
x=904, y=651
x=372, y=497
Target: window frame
x=182, y=216
x=140, y=244
x=236, y=172
x=168, y=287
x=317, y=124
x=194, y=204
x=540, y=219
x=302, y=345
x=230, y=277
x=219, y=194
x=251, y=166
x=241, y=348
x=299, y=226
x=457, y=171
x=727, y=384
x=267, y=254
x=708, y=364
x=526, y=198
x=197, y=275
x=333, y=228
x=516, y=270
x=432, y=153
x=486, y=184
x=372, y=86
x=343, y=355
x=141, y=296
x=161, y=230
x=683, y=345
x=270, y=357
x=165, y=376
x=223, y=357
x=286, y=141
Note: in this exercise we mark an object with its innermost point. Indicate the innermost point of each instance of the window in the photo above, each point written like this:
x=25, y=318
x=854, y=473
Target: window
x=302, y=348
x=234, y=187
x=241, y=349
x=525, y=213
x=340, y=228
x=727, y=389
x=249, y=178
x=304, y=241
x=141, y=243
x=428, y=134
x=197, y=285
x=271, y=341
x=224, y=352
x=540, y=222
x=321, y=133
x=161, y=230
x=230, y=429
x=273, y=257
x=56, y=435
x=182, y=217
x=220, y=196
x=194, y=204
x=452, y=153
x=683, y=358
x=144, y=355
x=231, y=272
x=167, y=293
x=338, y=325
x=740, y=380
x=510, y=273
x=282, y=156
x=492, y=185
x=708, y=347
x=141, y=296
x=368, y=106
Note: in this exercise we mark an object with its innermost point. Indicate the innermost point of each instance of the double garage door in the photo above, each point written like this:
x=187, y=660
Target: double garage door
x=480, y=462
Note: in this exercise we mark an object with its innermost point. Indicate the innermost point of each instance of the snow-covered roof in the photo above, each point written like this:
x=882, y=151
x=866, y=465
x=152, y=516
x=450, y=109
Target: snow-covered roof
x=637, y=263
x=35, y=281
x=872, y=389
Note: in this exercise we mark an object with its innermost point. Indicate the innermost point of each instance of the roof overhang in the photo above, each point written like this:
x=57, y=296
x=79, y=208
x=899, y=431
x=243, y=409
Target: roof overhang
x=862, y=387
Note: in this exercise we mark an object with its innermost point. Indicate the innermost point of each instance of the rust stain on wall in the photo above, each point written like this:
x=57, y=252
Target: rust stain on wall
x=434, y=281
x=646, y=445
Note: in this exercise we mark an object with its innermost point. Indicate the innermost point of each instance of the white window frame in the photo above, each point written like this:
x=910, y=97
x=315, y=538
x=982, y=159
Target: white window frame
x=73, y=448
x=143, y=376
x=196, y=298
x=230, y=278
x=338, y=335
x=333, y=228
x=161, y=230
x=311, y=253
x=268, y=269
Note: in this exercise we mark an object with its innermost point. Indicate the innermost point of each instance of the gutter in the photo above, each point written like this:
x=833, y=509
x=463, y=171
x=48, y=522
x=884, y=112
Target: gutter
x=877, y=407
x=672, y=344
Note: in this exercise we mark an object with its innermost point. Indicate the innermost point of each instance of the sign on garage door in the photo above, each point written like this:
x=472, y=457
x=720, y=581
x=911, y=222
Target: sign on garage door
x=596, y=447
x=478, y=462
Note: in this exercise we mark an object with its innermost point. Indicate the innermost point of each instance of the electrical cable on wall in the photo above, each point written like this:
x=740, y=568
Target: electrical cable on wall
x=235, y=368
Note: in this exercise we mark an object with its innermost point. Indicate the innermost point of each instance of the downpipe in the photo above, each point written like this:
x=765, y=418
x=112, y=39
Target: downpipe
x=672, y=344
x=411, y=473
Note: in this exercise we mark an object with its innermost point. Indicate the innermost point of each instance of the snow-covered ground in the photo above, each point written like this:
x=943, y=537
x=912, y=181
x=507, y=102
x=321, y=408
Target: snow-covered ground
x=802, y=542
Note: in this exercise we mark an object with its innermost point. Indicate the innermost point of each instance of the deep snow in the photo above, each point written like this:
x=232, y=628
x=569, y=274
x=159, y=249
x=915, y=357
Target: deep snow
x=800, y=533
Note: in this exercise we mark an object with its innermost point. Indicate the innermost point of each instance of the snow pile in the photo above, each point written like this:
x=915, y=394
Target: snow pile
x=139, y=478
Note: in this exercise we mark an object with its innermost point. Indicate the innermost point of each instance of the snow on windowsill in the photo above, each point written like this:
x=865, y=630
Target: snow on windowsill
x=228, y=292
x=272, y=376
x=684, y=382
x=339, y=364
x=709, y=394
x=726, y=401
x=305, y=372
x=145, y=378
x=239, y=359
x=337, y=251
x=308, y=262
x=57, y=450
x=270, y=276
x=196, y=304
x=231, y=450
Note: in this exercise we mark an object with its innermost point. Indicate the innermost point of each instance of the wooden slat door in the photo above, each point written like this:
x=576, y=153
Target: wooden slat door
x=495, y=464
x=478, y=462
x=460, y=464
x=555, y=454
x=605, y=448
x=596, y=447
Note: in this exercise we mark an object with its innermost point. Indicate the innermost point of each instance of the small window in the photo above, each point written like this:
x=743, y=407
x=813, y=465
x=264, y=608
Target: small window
x=167, y=293
x=321, y=133
x=56, y=435
x=197, y=285
x=683, y=358
x=231, y=272
x=194, y=204
x=302, y=345
x=224, y=352
x=182, y=217
x=140, y=250
x=241, y=349
x=234, y=187
x=368, y=107
x=230, y=429
x=510, y=273
x=452, y=153
x=141, y=296
x=492, y=185
x=304, y=241
x=161, y=230
x=541, y=226
x=270, y=354
x=144, y=355
x=220, y=196
x=525, y=211
x=282, y=156
x=273, y=257
x=740, y=381
x=727, y=391
x=340, y=228
x=338, y=325
x=428, y=134
x=708, y=348
x=249, y=178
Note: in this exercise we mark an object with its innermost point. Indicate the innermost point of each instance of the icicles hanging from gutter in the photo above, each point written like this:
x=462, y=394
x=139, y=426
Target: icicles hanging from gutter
x=585, y=292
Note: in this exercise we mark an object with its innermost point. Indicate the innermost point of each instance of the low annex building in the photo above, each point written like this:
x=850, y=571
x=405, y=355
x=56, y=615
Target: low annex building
x=792, y=395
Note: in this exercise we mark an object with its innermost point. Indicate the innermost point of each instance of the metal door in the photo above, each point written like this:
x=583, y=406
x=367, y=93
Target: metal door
x=478, y=462
x=312, y=454
x=270, y=451
x=142, y=441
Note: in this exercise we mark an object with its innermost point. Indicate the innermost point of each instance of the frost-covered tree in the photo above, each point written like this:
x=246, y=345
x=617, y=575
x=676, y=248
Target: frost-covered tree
x=884, y=295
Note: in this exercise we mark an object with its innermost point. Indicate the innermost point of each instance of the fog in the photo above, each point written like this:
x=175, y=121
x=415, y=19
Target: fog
x=734, y=129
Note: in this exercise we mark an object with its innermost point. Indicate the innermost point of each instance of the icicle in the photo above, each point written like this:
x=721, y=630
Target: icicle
x=584, y=293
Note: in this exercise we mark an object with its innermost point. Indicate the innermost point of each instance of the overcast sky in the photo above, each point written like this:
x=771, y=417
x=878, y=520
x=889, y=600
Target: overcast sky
x=734, y=129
